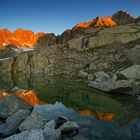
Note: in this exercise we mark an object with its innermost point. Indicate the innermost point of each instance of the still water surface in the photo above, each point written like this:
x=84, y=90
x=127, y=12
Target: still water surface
x=75, y=93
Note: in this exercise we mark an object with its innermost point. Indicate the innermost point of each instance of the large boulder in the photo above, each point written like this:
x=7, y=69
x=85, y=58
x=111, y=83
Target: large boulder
x=50, y=132
x=69, y=129
x=36, y=134
x=124, y=81
x=132, y=72
x=34, y=121
x=105, y=82
x=12, y=122
x=11, y=104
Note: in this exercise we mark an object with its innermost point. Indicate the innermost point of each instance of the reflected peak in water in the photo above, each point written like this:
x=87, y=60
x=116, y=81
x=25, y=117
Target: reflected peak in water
x=27, y=95
x=100, y=115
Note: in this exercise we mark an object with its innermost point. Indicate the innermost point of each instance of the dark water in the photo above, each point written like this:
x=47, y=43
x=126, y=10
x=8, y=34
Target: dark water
x=76, y=94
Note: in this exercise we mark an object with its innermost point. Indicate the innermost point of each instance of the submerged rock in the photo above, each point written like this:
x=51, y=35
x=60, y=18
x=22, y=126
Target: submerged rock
x=58, y=109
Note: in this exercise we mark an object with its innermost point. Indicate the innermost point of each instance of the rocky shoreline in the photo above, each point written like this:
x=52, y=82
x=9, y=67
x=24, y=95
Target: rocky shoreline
x=19, y=121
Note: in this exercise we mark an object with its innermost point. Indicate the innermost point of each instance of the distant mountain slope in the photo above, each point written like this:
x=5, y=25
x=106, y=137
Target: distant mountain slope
x=119, y=18
x=97, y=22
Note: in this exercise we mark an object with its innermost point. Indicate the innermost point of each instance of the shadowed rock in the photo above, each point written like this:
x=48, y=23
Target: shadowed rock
x=11, y=104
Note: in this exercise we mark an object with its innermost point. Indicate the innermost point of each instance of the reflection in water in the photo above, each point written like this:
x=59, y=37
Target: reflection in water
x=30, y=97
x=27, y=95
x=72, y=93
x=100, y=115
x=3, y=93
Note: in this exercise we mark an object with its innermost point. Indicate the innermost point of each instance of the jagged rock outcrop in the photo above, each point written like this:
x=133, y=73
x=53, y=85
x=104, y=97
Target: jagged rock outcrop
x=46, y=40
x=93, y=26
x=122, y=17
x=137, y=20
x=97, y=22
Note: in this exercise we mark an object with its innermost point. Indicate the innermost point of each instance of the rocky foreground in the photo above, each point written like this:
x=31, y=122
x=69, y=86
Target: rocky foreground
x=19, y=121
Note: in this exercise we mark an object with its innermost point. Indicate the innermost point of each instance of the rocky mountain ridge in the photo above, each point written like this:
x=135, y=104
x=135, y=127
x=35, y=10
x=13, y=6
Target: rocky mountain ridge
x=19, y=37
x=81, y=51
x=27, y=38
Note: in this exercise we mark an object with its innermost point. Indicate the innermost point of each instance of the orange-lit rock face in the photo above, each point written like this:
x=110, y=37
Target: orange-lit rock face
x=24, y=38
x=99, y=114
x=40, y=34
x=98, y=22
x=20, y=37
